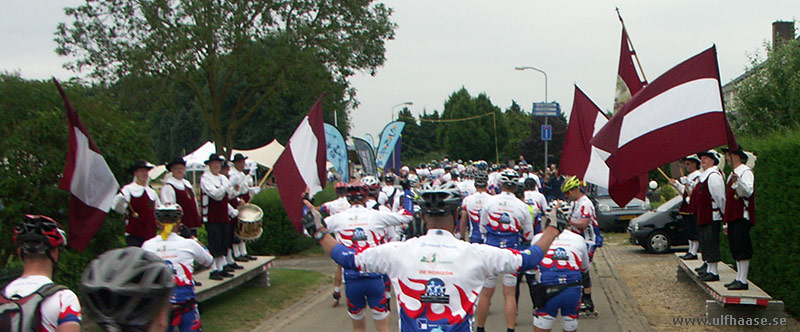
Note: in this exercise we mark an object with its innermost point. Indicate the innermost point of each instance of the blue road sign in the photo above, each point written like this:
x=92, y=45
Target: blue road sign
x=546, y=109
x=547, y=132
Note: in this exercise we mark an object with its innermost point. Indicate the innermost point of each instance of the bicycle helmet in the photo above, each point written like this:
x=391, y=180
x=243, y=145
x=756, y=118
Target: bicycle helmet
x=413, y=180
x=388, y=178
x=341, y=188
x=509, y=177
x=356, y=191
x=437, y=200
x=370, y=181
x=126, y=288
x=570, y=183
x=37, y=234
x=168, y=213
x=481, y=179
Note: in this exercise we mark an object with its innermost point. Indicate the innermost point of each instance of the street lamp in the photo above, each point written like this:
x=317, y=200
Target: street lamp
x=408, y=103
x=545, y=99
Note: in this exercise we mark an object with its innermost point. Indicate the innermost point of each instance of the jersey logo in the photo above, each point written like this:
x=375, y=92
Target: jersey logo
x=435, y=292
x=359, y=234
x=504, y=218
x=560, y=254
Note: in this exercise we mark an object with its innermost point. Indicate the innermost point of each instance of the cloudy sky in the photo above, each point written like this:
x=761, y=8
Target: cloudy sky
x=443, y=45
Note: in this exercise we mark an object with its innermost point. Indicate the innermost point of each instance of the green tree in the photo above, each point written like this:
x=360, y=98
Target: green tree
x=519, y=128
x=769, y=98
x=33, y=152
x=214, y=48
x=533, y=146
x=472, y=139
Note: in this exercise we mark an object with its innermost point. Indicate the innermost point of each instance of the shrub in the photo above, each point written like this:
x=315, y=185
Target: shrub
x=280, y=236
x=775, y=245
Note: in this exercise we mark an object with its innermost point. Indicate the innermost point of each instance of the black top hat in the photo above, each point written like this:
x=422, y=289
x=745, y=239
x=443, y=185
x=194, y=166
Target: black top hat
x=711, y=154
x=214, y=157
x=238, y=157
x=141, y=163
x=176, y=161
x=739, y=152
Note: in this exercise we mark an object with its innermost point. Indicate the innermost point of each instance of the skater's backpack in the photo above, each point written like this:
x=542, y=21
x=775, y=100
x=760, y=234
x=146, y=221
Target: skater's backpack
x=22, y=314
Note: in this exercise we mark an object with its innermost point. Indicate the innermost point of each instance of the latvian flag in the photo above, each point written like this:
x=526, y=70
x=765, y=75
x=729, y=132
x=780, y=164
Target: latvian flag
x=678, y=114
x=628, y=82
x=580, y=158
x=88, y=179
x=302, y=164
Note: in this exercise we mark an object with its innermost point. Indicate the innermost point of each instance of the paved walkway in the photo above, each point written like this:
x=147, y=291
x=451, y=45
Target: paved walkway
x=618, y=310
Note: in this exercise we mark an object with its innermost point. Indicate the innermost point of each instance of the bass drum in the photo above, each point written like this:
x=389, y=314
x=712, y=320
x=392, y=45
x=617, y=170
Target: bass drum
x=249, y=225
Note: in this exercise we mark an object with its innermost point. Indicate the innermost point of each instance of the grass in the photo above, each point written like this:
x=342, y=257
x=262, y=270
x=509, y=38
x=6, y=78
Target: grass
x=244, y=308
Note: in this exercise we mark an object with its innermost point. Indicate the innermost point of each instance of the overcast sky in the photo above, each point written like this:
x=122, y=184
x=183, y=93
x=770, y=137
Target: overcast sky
x=441, y=46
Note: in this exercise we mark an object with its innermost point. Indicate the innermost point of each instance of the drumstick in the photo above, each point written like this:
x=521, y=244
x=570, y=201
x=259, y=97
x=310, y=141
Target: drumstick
x=133, y=212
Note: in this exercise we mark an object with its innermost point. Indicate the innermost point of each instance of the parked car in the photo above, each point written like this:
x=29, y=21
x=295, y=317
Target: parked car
x=611, y=216
x=659, y=230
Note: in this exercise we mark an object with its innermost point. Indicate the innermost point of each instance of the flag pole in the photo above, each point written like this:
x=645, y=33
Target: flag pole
x=261, y=183
x=633, y=49
x=664, y=174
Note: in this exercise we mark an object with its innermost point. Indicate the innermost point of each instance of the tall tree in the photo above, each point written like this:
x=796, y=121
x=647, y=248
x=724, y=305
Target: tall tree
x=769, y=98
x=473, y=138
x=519, y=128
x=212, y=46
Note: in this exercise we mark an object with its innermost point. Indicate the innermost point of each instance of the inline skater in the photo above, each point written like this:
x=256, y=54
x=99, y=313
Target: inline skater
x=471, y=210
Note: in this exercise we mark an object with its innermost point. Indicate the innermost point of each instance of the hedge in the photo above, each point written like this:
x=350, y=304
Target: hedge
x=775, y=265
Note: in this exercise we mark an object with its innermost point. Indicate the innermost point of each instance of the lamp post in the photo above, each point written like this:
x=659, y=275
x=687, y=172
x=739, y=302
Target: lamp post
x=408, y=103
x=545, y=99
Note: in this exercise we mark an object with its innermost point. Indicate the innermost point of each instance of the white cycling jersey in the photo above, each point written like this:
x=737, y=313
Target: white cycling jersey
x=473, y=204
x=582, y=209
x=180, y=254
x=437, y=278
x=60, y=308
x=504, y=220
x=335, y=206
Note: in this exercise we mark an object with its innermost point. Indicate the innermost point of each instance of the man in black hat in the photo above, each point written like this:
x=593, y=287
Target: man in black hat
x=179, y=191
x=241, y=183
x=216, y=193
x=709, y=197
x=138, y=202
x=685, y=185
x=740, y=214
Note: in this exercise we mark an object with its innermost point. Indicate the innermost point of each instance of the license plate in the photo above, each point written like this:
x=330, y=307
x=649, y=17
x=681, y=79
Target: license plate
x=627, y=217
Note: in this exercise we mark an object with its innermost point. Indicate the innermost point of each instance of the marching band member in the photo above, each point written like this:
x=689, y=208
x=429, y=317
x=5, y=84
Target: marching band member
x=138, y=202
x=740, y=215
x=178, y=190
x=242, y=184
x=709, y=196
x=216, y=194
x=685, y=186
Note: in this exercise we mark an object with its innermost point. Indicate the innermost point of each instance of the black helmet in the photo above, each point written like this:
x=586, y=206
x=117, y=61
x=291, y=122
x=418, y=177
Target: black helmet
x=530, y=184
x=509, y=177
x=440, y=199
x=481, y=179
x=123, y=289
x=168, y=213
x=37, y=234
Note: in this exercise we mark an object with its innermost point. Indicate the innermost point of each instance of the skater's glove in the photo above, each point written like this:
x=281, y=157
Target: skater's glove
x=312, y=222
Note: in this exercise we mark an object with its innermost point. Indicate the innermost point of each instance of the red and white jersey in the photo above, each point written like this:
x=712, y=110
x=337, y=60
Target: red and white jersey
x=504, y=219
x=564, y=261
x=182, y=253
x=584, y=208
x=437, y=278
x=335, y=206
x=360, y=228
x=62, y=307
x=533, y=197
x=467, y=188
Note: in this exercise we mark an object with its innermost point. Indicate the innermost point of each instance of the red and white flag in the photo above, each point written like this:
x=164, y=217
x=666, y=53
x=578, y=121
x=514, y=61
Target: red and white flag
x=678, y=114
x=89, y=180
x=628, y=81
x=302, y=164
x=582, y=159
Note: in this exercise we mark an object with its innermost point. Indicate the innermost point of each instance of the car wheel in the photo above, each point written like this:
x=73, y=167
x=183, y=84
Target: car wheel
x=658, y=242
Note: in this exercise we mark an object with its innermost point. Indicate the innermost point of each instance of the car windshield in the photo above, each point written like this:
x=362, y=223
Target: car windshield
x=670, y=204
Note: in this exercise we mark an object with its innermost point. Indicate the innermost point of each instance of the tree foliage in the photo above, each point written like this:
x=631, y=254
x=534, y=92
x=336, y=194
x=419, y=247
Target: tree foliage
x=769, y=98
x=33, y=152
x=475, y=138
x=215, y=48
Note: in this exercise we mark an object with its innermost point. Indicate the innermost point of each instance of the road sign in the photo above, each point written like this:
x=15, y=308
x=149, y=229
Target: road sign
x=546, y=109
x=547, y=132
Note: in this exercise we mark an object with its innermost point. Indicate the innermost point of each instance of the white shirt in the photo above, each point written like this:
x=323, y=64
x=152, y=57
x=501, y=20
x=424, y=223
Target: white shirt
x=505, y=213
x=360, y=228
x=181, y=253
x=216, y=187
x=441, y=268
x=566, y=258
x=473, y=204
x=716, y=186
x=244, y=181
x=467, y=187
x=745, y=185
x=583, y=208
x=168, y=192
x=687, y=183
x=62, y=307
x=335, y=206
x=133, y=190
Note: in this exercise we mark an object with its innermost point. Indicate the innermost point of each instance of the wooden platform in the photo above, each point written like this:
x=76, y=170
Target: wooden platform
x=753, y=302
x=256, y=271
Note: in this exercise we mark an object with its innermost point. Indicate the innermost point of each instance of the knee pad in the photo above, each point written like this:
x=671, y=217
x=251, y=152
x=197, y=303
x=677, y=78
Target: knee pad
x=509, y=279
x=544, y=322
x=491, y=282
x=570, y=324
x=358, y=315
x=378, y=314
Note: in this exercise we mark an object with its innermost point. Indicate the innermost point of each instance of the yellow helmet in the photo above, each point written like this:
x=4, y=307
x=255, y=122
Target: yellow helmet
x=570, y=183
